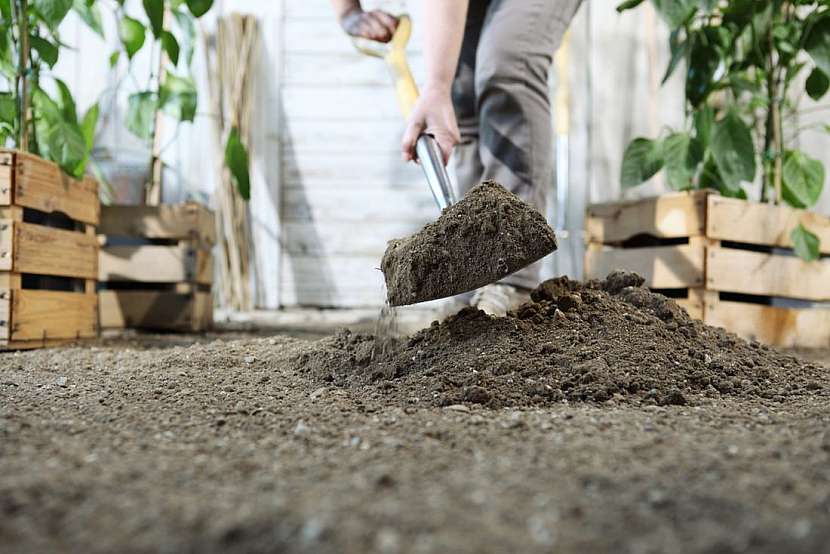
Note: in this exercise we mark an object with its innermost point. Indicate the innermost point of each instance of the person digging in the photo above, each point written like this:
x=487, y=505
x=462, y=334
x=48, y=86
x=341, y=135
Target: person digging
x=485, y=98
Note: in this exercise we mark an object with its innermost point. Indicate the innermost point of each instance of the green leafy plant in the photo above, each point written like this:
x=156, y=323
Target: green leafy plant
x=168, y=28
x=32, y=119
x=743, y=60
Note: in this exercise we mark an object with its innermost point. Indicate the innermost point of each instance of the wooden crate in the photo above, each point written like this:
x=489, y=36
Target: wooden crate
x=48, y=254
x=156, y=267
x=729, y=262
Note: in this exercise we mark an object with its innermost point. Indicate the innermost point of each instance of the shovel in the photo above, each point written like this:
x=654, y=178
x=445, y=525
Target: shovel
x=488, y=235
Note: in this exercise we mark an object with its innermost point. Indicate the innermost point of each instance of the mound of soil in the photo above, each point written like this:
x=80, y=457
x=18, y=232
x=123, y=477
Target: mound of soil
x=488, y=235
x=609, y=340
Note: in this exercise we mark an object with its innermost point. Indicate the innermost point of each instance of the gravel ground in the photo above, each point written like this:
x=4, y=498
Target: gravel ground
x=228, y=445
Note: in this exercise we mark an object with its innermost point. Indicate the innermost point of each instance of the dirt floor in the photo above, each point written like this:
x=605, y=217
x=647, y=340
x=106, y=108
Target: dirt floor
x=596, y=420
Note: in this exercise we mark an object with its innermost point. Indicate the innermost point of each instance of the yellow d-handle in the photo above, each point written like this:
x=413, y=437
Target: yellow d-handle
x=394, y=54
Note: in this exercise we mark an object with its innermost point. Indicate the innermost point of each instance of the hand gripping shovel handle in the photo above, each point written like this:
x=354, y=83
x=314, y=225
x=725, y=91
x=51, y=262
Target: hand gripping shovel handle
x=427, y=149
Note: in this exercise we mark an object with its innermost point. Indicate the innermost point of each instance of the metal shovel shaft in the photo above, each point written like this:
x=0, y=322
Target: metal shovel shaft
x=432, y=162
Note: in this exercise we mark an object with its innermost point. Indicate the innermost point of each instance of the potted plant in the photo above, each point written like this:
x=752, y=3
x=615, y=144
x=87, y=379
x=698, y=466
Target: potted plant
x=48, y=247
x=159, y=277
x=732, y=261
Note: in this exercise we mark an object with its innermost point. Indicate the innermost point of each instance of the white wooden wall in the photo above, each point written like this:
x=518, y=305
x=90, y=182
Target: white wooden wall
x=329, y=188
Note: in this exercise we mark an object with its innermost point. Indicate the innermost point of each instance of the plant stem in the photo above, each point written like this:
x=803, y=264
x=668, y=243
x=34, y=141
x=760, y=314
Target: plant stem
x=20, y=15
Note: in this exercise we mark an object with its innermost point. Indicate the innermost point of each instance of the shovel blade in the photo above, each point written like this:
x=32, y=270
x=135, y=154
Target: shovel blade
x=485, y=237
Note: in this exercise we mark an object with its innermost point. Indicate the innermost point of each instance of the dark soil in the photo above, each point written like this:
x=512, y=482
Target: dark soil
x=597, y=419
x=486, y=236
x=611, y=340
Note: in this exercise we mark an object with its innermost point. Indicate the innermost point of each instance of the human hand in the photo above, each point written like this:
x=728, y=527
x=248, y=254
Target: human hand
x=373, y=25
x=433, y=114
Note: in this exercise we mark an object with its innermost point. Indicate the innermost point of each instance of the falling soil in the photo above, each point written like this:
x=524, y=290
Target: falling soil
x=609, y=340
x=488, y=235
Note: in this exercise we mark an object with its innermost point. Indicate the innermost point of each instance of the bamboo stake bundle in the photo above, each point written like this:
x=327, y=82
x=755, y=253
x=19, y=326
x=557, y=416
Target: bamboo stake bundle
x=229, y=61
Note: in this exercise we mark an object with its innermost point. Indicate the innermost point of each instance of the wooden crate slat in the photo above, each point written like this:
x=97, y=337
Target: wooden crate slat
x=48, y=251
x=758, y=273
x=6, y=178
x=155, y=264
x=5, y=314
x=160, y=310
x=46, y=314
x=41, y=185
x=782, y=327
x=670, y=216
x=663, y=267
x=6, y=244
x=737, y=220
x=168, y=221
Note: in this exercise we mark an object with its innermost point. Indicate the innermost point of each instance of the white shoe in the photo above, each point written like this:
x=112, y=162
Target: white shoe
x=453, y=305
x=498, y=299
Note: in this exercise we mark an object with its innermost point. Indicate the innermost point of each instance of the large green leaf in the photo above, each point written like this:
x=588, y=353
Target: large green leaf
x=642, y=159
x=52, y=11
x=66, y=103
x=141, y=114
x=170, y=46
x=90, y=14
x=199, y=7
x=681, y=160
x=802, y=180
x=155, y=13
x=675, y=12
x=87, y=128
x=47, y=51
x=8, y=115
x=817, y=84
x=629, y=4
x=806, y=244
x=60, y=140
x=704, y=121
x=88, y=125
x=178, y=97
x=733, y=151
x=132, y=33
x=679, y=50
x=703, y=63
x=236, y=160
x=8, y=108
x=817, y=44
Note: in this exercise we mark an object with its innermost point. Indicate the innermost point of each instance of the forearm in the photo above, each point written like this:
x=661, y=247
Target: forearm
x=443, y=35
x=342, y=7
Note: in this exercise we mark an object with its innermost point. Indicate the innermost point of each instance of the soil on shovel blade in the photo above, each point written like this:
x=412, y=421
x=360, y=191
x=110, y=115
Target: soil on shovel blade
x=488, y=235
x=607, y=340
x=597, y=418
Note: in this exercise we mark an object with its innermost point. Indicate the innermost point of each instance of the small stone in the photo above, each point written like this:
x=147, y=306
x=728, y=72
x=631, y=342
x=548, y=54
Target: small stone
x=60, y=381
x=458, y=408
x=249, y=359
x=657, y=497
x=388, y=540
x=302, y=430
x=272, y=341
x=318, y=393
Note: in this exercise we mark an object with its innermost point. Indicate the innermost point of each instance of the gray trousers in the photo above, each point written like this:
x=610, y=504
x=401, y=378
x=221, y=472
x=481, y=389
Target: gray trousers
x=502, y=100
